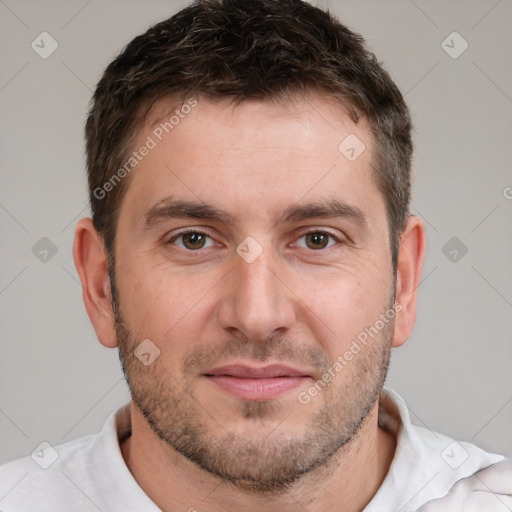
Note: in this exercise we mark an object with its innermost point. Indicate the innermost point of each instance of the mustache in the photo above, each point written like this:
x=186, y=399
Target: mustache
x=276, y=348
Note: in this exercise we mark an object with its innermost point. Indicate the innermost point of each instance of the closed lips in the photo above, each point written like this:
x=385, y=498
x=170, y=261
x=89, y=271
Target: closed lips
x=247, y=372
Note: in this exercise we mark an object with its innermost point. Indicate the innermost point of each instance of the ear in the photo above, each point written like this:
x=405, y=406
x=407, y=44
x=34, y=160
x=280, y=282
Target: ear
x=410, y=263
x=92, y=267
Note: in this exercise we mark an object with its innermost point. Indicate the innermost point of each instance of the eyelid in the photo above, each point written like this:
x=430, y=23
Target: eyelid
x=314, y=229
x=191, y=229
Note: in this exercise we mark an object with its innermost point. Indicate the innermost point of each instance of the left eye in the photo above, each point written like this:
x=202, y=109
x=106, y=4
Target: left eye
x=317, y=240
x=192, y=240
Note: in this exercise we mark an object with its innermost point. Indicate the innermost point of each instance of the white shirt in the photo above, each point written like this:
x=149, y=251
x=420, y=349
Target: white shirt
x=89, y=473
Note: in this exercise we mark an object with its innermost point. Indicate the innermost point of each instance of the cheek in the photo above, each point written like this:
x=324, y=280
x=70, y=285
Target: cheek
x=343, y=307
x=165, y=307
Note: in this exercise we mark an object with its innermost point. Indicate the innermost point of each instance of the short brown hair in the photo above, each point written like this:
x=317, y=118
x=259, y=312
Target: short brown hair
x=246, y=49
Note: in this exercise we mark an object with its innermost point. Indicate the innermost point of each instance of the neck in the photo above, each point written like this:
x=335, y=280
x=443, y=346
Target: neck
x=347, y=482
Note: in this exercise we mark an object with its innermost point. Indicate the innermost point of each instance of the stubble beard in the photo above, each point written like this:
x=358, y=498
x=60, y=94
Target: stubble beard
x=265, y=460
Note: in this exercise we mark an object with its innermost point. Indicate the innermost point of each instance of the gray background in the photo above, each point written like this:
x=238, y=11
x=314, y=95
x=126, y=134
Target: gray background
x=57, y=382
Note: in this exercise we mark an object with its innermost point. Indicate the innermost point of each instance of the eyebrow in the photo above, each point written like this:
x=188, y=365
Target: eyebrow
x=329, y=208
x=180, y=209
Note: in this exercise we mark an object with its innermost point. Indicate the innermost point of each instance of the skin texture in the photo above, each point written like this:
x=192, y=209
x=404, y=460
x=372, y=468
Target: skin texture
x=298, y=303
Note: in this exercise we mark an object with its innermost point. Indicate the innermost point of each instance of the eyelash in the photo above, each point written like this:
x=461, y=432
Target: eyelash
x=204, y=233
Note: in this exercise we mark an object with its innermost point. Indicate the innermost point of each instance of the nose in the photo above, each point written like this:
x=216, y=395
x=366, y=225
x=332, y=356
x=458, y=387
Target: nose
x=256, y=300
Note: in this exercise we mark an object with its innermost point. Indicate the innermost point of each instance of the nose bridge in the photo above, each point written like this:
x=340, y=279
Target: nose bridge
x=257, y=281
x=256, y=301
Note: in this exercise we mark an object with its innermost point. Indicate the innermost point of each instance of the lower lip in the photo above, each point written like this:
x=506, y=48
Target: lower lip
x=257, y=389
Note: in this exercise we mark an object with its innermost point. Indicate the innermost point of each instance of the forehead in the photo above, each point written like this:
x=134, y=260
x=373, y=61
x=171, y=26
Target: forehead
x=307, y=119
x=261, y=151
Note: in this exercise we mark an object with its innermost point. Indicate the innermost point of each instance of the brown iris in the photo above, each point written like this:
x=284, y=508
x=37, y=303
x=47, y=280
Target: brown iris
x=317, y=240
x=193, y=240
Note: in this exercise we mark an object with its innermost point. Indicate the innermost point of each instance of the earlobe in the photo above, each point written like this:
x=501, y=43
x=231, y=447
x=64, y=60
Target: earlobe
x=410, y=263
x=92, y=267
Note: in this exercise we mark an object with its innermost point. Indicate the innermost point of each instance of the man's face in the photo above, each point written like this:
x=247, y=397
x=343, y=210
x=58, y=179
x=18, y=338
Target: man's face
x=296, y=294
